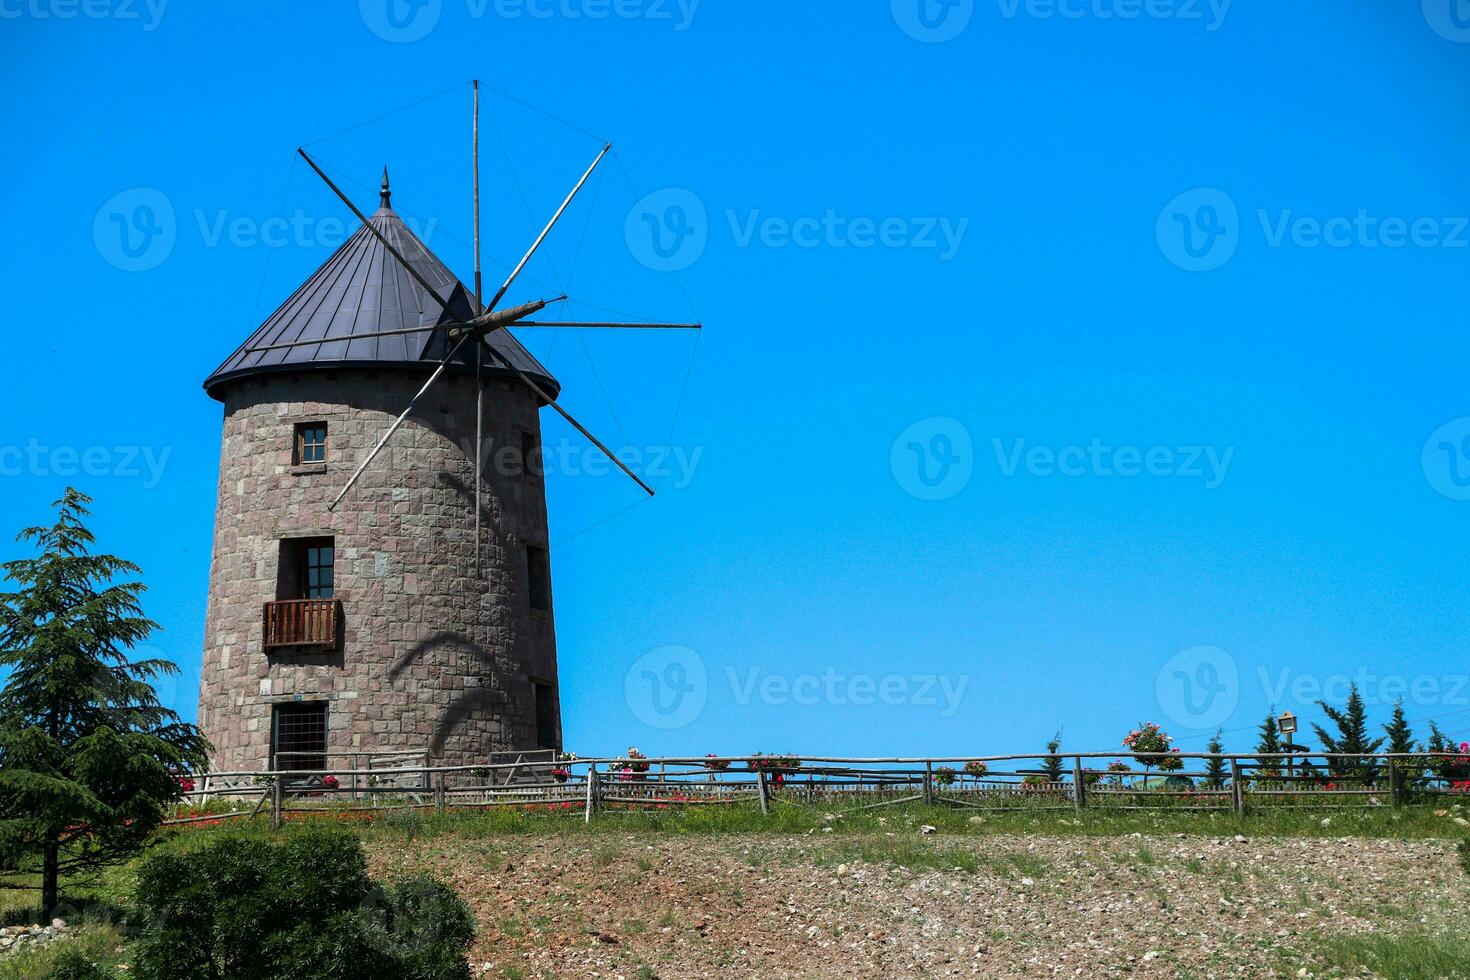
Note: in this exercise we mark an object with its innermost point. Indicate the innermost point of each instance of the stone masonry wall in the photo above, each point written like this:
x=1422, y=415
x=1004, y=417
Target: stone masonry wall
x=432, y=656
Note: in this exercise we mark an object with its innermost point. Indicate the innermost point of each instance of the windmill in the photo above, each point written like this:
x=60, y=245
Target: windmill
x=485, y=319
x=338, y=620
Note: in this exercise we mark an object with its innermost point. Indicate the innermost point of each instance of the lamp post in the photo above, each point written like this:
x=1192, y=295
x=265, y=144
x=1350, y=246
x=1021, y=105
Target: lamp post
x=1286, y=724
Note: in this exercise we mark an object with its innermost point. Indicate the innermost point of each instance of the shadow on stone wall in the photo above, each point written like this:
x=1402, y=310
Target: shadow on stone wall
x=469, y=701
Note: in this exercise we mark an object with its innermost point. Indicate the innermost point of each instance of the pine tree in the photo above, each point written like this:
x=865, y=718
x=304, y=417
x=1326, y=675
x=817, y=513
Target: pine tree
x=1439, y=745
x=88, y=755
x=1438, y=740
x=1269, y=745
x=1053, y=762
x=1216, y=769
x=1400, y=735
x=1351, y=739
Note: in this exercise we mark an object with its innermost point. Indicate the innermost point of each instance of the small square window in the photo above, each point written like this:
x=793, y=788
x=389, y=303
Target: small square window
x=538, y=567
x=311, y=443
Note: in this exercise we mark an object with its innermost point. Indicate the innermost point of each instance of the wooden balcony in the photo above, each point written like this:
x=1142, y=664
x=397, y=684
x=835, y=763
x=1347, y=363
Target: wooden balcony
x=302, y=623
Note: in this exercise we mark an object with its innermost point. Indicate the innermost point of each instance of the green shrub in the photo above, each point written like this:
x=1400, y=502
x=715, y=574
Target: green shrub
x=72, y=965
x=252, y=910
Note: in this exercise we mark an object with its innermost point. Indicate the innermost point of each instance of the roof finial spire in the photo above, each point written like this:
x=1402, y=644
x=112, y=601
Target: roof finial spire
x=385, y=196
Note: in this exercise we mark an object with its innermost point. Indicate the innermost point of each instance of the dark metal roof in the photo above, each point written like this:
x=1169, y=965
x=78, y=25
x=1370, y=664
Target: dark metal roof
x=360, y=290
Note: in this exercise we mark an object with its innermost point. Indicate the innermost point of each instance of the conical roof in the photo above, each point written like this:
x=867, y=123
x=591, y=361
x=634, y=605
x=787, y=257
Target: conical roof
x=363, y=290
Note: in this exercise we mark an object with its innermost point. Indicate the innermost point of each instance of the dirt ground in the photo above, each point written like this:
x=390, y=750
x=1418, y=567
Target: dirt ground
x=909, y=904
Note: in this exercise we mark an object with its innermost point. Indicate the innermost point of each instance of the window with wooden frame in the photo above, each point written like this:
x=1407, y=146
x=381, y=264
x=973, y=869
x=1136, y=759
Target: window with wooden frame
x=307, y=569
x=311, y=444
x=318, y=572
x=538, y=573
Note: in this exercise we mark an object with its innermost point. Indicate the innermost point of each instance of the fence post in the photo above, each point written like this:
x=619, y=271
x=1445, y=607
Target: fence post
x=1079, y=785
x=277, y=794
x=440, y=792
x=928, y=783
x=591, y=792
x=1237, y=788
x=1395, y=783
x=760, y=779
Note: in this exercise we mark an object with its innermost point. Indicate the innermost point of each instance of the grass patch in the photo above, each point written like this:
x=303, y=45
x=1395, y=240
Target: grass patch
x=99, y=942
x=1411, y=956
x=1410, y=822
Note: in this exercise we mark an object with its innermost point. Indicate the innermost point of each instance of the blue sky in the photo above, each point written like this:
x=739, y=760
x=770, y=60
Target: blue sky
x=1068, y=364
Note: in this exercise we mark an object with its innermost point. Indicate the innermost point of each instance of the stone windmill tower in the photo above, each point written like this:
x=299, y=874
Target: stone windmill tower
x=360, y=601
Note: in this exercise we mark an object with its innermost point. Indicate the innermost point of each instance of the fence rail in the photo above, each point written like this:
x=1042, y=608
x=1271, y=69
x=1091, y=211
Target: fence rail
x=380, y=782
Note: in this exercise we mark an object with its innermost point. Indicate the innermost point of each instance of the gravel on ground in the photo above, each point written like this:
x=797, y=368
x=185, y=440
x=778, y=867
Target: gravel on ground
x=914, y=904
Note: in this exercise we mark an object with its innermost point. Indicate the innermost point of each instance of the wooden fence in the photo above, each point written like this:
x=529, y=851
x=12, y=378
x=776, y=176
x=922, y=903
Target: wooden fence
x=377, y=782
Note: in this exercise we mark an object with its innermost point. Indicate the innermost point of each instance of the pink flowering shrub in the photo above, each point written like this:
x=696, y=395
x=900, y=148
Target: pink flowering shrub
x=1453, y=767
x=1149, y=742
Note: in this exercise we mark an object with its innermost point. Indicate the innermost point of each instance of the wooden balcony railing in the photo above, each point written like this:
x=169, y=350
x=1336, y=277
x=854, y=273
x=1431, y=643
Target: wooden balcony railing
x=301, y=623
